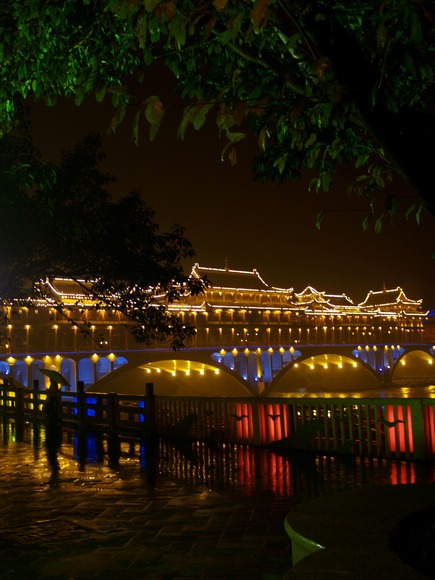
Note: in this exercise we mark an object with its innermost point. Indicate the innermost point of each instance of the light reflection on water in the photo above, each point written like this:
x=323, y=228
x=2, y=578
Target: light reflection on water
x=372, y=392
x=33, y=457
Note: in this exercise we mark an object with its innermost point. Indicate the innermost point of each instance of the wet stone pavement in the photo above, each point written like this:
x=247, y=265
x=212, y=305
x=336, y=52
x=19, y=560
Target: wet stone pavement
x=66, y=518
x=76, y=507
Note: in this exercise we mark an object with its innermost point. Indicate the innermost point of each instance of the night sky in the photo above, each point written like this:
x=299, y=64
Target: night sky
x=230, y=217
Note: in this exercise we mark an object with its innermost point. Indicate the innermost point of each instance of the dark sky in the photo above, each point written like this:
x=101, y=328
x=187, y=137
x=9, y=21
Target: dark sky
x=264, y=226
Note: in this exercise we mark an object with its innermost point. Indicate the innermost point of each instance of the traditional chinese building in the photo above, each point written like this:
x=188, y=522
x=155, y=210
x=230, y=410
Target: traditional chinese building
x=238, y=308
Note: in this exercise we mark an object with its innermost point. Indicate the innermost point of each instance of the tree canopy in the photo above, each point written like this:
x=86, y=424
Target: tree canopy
x=60, y=221
x=320, y=83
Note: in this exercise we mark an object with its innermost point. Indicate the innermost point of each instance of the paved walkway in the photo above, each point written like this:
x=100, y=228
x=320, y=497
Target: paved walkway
x=59, y=522
x=61, y=518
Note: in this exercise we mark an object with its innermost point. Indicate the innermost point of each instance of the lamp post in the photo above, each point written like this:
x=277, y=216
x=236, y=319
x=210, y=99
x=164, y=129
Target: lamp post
x=27, y=327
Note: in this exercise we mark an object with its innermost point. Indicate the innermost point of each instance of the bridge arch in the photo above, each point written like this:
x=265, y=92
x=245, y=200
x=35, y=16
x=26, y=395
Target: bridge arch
x=414, y=366
x=320, y=373
x=181, y=376
x=68, y=369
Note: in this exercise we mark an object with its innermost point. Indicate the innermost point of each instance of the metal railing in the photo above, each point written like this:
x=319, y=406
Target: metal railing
x=375, y=427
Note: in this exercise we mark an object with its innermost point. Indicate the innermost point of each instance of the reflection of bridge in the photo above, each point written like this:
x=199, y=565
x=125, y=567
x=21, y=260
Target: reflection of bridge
x=275, y=370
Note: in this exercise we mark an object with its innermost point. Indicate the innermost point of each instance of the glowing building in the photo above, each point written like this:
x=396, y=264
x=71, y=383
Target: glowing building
x=239, y=308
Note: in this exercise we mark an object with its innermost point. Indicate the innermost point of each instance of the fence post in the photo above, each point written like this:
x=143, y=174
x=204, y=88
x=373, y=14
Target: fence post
x=19, y=403
x=255, y=422
x=418, y=428
x=35, y=396
x=6, y=384
x=150, y=410
x=81, y=412
x=19, y=412
x=112, y=411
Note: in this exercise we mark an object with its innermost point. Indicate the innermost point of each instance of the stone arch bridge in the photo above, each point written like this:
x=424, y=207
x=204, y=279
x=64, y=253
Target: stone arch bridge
x=269, y=370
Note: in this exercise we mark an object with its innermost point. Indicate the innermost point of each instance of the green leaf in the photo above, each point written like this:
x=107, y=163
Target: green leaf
x=136, y=125
x=409, y=211
x=150, y=4
x=79, y=98
x=154, y=114
x=262, y=139
x=378, y=224
x=365, y=223
x=184, y=123
x=234, y=137
x=310, y=141
x=117, y=117
x=280, y=163
x=198, y=115
x=418, y=214
x=319, y=219
x=100, y=93
x=326, y=181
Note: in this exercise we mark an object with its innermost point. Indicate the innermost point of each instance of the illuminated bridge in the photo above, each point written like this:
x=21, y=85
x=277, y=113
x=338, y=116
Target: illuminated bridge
x=270, y=370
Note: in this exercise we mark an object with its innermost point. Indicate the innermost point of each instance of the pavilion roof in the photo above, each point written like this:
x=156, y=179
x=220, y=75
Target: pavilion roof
x=225, y=278
x=388, y=298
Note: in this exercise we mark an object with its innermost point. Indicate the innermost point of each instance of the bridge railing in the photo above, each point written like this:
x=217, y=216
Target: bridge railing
x=375, y=427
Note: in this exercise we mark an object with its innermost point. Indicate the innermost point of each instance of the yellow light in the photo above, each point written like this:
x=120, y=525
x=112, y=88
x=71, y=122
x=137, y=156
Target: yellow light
x=28, y=359
x=94, y=357
x=111, y=356
x=296, y=365
x=325, y=366
x=174, y=373
x=148, y=371
x=55, y=326
x=430, y=361
x=340, y=365
x=217, y=371
x=11, y=360
x=27, y=326
x=234, y=351
x=201, y=372
x=159, y=370
x=187, y=372
x=354, y=365
x=222, y=352
x=402, y=362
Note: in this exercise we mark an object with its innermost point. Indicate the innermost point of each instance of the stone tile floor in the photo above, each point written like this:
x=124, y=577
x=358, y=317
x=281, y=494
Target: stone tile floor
x=60, y=521
x=86, y=508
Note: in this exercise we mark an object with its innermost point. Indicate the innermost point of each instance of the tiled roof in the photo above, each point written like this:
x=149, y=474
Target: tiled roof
x=388, y=298
x=68, y=288
x=235, y=279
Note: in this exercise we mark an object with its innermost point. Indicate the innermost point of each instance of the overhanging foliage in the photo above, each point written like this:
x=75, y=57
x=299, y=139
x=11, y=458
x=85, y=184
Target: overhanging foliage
x=61, y=221
x=320, y=83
